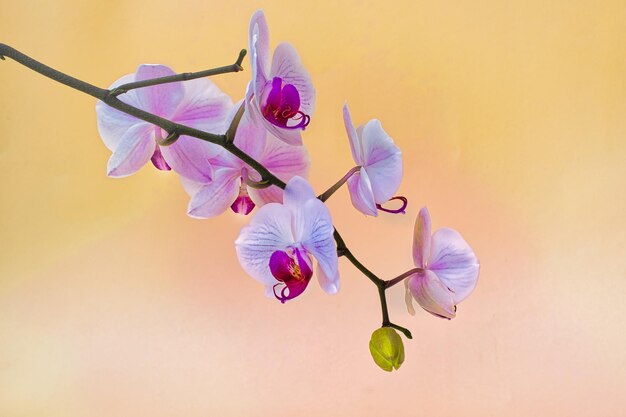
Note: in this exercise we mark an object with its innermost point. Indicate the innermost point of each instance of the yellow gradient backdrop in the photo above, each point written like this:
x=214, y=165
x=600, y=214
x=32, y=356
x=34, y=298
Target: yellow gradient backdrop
x=512, y=121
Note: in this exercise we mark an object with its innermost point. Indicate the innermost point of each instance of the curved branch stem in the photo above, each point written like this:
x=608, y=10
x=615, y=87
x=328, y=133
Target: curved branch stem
x=186, y=76
x=326, y=194
x=402, y=277
x=224, y=140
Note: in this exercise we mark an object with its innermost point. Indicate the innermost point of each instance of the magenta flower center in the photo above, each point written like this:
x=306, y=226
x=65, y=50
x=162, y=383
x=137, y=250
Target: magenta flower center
x=281, y=103
x=293, y=269
x=243, y=204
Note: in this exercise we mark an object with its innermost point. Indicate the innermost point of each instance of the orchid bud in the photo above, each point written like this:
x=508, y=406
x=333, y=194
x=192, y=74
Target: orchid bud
x=387, y=348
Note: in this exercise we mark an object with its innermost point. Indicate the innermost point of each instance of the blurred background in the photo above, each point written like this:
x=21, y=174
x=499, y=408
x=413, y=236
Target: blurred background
x=512, y=121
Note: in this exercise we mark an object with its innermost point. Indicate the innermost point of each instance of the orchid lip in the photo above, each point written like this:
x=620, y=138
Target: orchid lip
x=280, y=103
x=159, y=161
x=292, y=268
x=401, y=210
x=243, y=204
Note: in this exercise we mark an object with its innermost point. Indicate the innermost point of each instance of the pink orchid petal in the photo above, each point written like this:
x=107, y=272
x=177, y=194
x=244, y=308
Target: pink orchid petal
x=383, y=161
x=263, y=196
x=361, y=193
x=268, y=231
x=454, y=262
x=421, y=238
x=432, y=295
x=204, y=107
x=328, y=284
x=291, y=137
x=297, y=193
x=162, y=99
x=134, y=150
x=112, y=124
x=250, y=136
x=287, y=65
x=355, y=142
x=284, y=160
x=316, y=234
x=408, y=298
x=216, y=197
x=190, y=158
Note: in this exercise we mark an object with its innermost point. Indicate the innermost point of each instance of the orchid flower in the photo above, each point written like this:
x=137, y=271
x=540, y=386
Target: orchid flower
x=228, y=187
x=276, y=247
x=281, y=96
x=449, y=269
x=198, y=103
x=380, y=162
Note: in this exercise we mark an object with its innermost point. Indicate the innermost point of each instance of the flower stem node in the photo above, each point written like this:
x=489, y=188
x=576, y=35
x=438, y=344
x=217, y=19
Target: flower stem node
x=387, y=349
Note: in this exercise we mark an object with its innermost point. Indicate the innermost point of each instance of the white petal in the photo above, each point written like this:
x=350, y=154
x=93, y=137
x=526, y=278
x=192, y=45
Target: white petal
x=361, y=193
x=317, y=238
x=421, y=238
x=134, y=150
x=259, y=47
x=432, y=295
x=216, y=197
x=329, y=285
x=454, y=262
x=297, y=192
x=112, y=124
x=383, y=161
x=286, y=64
x=268, y=231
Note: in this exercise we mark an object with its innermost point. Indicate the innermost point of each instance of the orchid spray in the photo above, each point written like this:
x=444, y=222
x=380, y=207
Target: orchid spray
x=250, y=157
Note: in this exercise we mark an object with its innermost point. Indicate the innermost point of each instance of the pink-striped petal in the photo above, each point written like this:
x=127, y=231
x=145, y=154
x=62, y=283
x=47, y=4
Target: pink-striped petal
x=421, y=238
x=268, y=231
x=162, y=99
x=361, y=193
x=271, y=194
x=287, y=65
x=382, y=160
x=204, y=107
x=454, y=262
x=432, y=295
x=216, y=197
x=354, y=139
x=250, y=136
x=134, y=150
x=283, y=160
x=190, y=158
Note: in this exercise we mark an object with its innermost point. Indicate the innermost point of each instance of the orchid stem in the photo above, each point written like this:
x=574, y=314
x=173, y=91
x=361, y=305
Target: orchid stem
x=174, y=130
x=186, y=76
x=402, y=277
x=324, y=196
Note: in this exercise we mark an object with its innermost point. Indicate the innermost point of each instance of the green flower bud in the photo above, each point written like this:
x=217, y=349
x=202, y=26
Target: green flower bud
x=387, y=348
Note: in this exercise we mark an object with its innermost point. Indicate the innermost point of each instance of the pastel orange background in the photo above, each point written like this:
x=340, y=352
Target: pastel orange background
x=512, y=121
